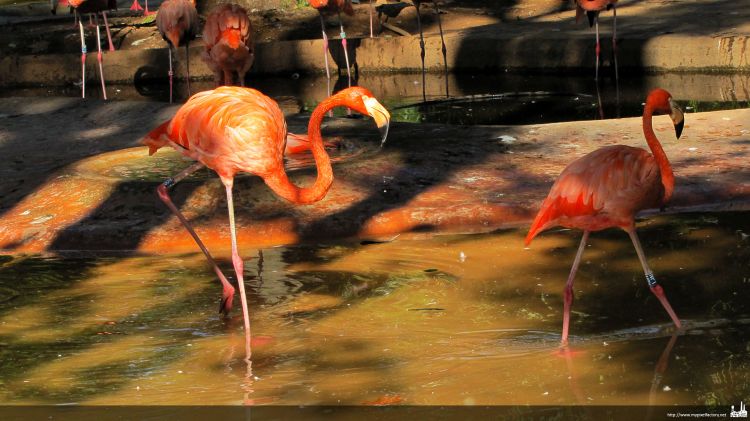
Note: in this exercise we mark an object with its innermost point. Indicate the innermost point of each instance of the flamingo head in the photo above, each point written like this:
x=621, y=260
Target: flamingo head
x=662, y=103
x=362, y=100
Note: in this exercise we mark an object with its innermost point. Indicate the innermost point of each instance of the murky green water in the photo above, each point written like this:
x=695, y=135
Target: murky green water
x=448, y=320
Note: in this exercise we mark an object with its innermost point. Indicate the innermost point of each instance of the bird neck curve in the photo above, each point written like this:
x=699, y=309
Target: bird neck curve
x=665, y=169
x=280, y=183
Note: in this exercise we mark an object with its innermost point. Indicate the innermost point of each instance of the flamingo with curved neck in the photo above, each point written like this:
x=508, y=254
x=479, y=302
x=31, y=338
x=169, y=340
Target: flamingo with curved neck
x=607, y=187
x=233, y=129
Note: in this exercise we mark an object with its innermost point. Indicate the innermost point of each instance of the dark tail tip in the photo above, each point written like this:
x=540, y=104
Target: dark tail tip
x=591, y=16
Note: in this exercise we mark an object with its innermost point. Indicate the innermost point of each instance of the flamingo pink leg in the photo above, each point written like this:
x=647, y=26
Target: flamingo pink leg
x=99, y=57
x=614, y=40
x=445, y=51
x=239, y=266
x=163, y=193
x=598, y=47
x=655, y=287
x=187, y=65
x=568, y=294
x=346, y=52
x=136, y=6
x=325, y=55
x=147, y=12
x=421, y=52
x=171, y=73
x=83, y=60
x=371, y=35
x=109, y=35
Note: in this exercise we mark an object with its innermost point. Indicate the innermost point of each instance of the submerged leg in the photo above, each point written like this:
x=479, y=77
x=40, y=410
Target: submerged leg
x=135, y=6
x=655, y=287
x=421, y=47
x=99, y=57
x=568, y=294
x=239, y=267
x=445, y=51
x=346, y=52
x=163, y=192
x=170, y=73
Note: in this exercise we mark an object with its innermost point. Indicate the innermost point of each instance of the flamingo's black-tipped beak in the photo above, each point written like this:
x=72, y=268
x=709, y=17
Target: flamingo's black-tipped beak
x=678, y=118
x=381, y=116
x=384, y=131
x=678, y=128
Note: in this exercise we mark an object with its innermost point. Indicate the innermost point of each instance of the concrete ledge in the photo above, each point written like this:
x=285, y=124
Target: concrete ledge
x=484, y=48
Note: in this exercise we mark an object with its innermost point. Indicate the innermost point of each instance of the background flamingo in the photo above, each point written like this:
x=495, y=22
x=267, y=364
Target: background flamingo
x=328, y=8
x=93, y=7
x=233, y=129
x=136, y=7
x=228, y=37
x=592, y=8
x=177, y=22
x=607, y=187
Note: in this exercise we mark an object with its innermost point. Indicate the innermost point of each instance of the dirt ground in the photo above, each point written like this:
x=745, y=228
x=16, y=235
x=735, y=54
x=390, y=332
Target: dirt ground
x=29, y=28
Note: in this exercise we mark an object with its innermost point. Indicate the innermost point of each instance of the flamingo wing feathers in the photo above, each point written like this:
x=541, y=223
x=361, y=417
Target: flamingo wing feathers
x=227, y=129
x=602, y=189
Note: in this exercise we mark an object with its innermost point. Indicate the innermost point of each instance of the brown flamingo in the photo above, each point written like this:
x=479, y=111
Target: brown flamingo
x=228, y=38
x=607, y=187
x=329, y=8
x=233, y=129
x=177, y=21
x=93, y=7
x=592, y=8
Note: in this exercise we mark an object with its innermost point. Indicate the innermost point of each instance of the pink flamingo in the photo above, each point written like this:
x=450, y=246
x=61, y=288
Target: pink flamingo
x=592, y=8
x=607, y=187
x=177, y=22
x=232, y=129
x=327, y=8
x=93, y=7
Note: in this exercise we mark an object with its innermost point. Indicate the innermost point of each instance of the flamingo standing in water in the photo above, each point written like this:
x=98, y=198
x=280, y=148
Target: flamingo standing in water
x=177, y=21
x=607, y=187
x=233, y=129
x=228, y=37
x=592, y=8
x=93, y=7
x=328, y=8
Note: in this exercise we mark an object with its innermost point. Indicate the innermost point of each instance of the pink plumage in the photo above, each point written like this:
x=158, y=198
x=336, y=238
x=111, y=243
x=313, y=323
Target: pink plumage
x=607, y=187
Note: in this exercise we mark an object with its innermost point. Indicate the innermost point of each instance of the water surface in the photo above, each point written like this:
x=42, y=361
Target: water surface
x=431, y=320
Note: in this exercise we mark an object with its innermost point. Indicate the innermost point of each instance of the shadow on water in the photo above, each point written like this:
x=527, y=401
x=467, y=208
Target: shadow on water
x=416, y=321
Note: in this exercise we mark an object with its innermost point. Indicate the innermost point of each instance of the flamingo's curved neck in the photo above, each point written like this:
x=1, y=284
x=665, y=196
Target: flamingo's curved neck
x=667, y=176
x=280, y=183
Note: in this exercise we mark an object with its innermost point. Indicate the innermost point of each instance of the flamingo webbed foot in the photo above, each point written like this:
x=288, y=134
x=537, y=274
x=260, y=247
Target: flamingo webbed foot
x=225, y=306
